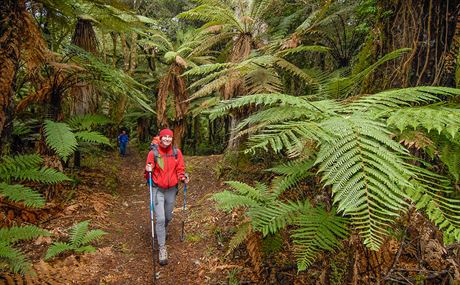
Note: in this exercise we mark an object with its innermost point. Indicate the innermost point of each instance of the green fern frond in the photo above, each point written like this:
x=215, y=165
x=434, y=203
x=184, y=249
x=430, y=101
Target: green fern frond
x=295, y=71
x=367, y=173
x=92, y=137
x=43, y=175
x=206, y=69
x=291, y=136
x=450, y=156
x=249, y=191
x=20, y=193
x=318, y=230
x=227, y=200
x=13, y=259
x=92, y=236
x=435, y=195
x=293, y=172
x=439, y=118
x=301, y=49
x=86, y=122
x=276, y=100
x=57, y=248
x=78, y=232
x=11, y=164
x=13, y=234
x=85, y=249
x=242, y=233
x=60, y=138
x=397, y=98
x=272, y=217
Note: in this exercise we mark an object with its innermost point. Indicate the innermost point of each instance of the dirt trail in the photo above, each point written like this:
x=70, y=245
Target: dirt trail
x=124, y=256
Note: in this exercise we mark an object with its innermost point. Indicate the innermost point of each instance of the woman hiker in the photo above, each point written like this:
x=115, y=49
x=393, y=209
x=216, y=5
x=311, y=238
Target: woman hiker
x=167, y=165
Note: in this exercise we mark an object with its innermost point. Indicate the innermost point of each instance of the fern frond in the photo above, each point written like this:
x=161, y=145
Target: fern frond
x=60, y=138
x=57, y=248
x=78, y=232
x=275, y=216
x=439, y=118
x=92, y=236
x=20, y=193
x=92, y=137
x=206, y=69
x=367, y=173
x=13, y=234
x=443, y=209
x=43, y=175
x=318, y=230
x=397, y=98
x=450, y=156
x=290, y=136
x=86, y=122
x=227, y=200
x=85, y=249
x=293, y=172
x=301, y=49
x=11, y=164
x=276, y=100
x=248, y=191
x=13, y=259
x=242, y=233
x=295, y=71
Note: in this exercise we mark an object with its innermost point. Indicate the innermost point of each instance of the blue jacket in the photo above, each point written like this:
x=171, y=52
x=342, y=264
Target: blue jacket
x=123, y=138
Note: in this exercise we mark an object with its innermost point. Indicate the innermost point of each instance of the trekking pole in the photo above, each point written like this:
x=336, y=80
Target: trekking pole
x=152, y=209
x=182, y=236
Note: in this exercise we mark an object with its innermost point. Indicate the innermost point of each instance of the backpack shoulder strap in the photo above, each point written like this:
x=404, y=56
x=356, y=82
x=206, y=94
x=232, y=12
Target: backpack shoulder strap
x=156, y=154
x=175, y=152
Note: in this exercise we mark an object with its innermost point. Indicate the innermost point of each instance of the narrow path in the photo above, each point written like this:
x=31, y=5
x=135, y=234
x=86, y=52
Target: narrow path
x=124, y=256
x=131, y=224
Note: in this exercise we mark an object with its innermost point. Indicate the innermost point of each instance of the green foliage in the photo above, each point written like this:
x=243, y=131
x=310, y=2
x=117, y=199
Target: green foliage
x=20, y=193
x=62, y=139
x=316, y=229
x=12, y=258
x=80, y=238
x=372, y=177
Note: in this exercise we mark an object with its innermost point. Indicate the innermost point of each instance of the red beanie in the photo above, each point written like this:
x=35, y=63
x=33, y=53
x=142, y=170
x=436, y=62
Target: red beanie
x=166, y=132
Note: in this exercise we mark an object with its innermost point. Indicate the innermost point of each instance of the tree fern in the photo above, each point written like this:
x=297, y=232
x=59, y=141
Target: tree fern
x=80, y=239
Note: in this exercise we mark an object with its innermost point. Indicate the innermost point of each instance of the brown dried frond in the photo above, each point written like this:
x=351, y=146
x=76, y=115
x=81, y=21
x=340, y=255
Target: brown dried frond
x=415, y=139
x=214, y=28
x=34, y=50
x=254, y=247
x=180, y=61
x=242, y=48
x=292, y=42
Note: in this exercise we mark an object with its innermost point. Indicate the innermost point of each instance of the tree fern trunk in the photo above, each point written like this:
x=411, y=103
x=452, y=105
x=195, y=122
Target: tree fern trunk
x=10, y=42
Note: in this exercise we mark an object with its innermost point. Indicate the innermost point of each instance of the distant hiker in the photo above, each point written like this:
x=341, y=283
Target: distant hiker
x=123, y=142
x=167, y=165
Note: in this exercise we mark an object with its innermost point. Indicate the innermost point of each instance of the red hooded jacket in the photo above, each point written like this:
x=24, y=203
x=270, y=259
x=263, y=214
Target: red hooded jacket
x=173, y=169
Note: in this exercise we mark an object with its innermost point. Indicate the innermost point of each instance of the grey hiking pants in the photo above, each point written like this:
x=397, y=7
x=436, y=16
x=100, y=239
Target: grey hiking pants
x=165, y=199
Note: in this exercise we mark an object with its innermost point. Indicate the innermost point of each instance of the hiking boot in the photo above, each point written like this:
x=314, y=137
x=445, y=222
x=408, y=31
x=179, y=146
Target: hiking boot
x=163, y=255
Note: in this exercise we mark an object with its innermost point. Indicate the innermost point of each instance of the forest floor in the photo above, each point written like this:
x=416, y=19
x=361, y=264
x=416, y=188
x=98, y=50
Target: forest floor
x=116, y=199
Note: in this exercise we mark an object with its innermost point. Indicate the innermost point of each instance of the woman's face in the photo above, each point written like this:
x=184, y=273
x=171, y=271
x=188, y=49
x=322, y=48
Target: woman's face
x=166, y=140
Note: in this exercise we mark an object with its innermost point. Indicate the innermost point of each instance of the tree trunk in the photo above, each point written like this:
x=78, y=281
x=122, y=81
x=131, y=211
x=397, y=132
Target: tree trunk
x=10, y=42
